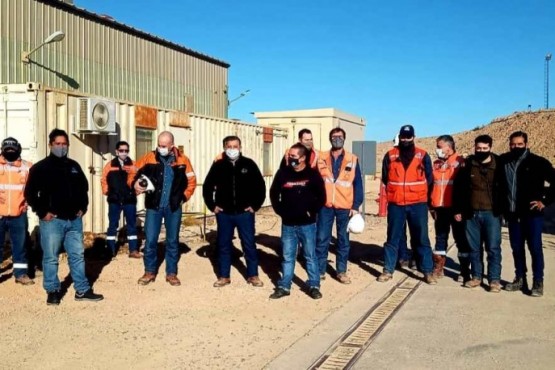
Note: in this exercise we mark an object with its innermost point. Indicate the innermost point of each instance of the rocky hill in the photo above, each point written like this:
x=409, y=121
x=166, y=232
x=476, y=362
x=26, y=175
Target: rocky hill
x=539, y=125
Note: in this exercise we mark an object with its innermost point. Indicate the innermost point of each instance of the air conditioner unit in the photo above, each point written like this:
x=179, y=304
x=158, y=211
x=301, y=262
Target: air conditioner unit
x=96, y=116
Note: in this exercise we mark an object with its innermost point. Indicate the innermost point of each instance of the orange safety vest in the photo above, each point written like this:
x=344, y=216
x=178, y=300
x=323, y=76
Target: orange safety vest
x=339, y=192
x=444, y=172
x=408, y=186
x=13, y=177
x=314, y=157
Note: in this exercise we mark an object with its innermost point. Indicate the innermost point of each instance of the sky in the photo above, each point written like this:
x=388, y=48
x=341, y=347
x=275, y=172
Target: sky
x=443, y=66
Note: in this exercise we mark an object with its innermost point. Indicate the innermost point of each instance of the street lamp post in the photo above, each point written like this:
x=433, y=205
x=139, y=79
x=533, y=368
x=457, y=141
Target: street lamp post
x=54, y=37
x=547, y=59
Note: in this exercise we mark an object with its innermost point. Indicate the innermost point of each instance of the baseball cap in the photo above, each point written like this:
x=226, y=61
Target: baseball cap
x=406, y=131
x=10, y=143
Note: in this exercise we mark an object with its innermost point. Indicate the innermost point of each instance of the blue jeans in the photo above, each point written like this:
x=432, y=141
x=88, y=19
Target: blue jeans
x=17, y=227
x=130, y=213
x=416, y=216
x=404, y=253
x=290, y=238
x=527, y=229
x=244, y=222
x=484, y=226
x=153, y=225
x=326, y=216
x=69, y=233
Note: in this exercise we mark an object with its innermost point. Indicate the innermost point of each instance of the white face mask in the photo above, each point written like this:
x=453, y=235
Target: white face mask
x=163, y=151
x=232, y=153
x=440, y=153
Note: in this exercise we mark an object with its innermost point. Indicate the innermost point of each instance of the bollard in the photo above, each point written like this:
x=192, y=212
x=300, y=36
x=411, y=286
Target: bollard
x=382, y=200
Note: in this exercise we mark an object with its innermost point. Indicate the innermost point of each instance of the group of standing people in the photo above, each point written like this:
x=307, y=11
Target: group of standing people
x=311, y=190
x=470, y=197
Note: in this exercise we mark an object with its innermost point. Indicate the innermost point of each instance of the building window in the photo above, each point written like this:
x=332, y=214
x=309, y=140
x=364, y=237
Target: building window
x=145, y=141
x=267, y=169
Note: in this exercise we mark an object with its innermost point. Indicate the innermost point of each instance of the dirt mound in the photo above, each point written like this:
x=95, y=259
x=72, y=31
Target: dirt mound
x=540, y=127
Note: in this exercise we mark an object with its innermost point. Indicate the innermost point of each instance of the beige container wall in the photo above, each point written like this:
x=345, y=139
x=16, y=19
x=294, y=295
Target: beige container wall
x=29, y=113
x=99, y=58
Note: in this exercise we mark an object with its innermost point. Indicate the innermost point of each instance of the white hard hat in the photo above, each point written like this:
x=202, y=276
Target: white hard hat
x=146, y=183
x=356, y=224
x=396, y=140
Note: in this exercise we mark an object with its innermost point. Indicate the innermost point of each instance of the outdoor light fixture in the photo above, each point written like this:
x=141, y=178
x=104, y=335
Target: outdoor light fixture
x=237, y=98
x=54, y=37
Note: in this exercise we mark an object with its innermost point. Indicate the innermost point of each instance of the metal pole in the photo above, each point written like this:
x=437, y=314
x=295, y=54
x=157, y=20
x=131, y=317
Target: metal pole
x=547, y=59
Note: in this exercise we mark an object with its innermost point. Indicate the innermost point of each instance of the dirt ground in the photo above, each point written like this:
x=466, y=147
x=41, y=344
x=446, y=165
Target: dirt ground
x=191, y=326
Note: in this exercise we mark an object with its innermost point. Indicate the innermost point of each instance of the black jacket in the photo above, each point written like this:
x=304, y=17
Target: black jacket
x=532, y=174
x=59, y=186
x=462, y=188
x=234, y=186
x=297, y=196
x=116, y=181
x=152, y=167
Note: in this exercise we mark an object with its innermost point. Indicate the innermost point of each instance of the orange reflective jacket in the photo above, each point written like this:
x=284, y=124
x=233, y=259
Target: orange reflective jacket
x=444, y=172
x=13, y=177
x=339, y=192
x=408, y=186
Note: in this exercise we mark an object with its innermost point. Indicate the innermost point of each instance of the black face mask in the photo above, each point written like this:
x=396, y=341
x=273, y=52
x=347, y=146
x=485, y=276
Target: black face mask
x=11, y=156
x=517, y=152
x=481, y=156
x=294, y=162
x=406, y=145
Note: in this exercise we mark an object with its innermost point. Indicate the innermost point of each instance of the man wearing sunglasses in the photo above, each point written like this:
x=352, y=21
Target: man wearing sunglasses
x=121, y=198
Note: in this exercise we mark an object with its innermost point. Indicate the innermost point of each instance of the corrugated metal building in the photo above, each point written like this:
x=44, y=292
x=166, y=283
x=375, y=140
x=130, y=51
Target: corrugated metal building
x=142, y=85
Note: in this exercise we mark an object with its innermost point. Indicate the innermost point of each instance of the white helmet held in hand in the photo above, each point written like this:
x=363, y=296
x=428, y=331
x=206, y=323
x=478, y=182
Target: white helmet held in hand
x=146, y=183
x=356, y=224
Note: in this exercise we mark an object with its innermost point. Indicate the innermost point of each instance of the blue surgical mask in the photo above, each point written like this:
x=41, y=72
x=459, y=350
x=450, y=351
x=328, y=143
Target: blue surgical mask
x=232, y=153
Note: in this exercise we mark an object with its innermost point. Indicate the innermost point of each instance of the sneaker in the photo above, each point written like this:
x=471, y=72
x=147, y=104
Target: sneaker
x=53, y=298
x=473, y=283
x=537, y=288
x=385, y=276
x=279, y=293
x=147, y=278
x=519, y=283
x=89, y=295
x=255, y=281
x=221, y=282
x=495, y=286
x=24, y=280
x=430, y=279
x=173, y=280
x=314, y=293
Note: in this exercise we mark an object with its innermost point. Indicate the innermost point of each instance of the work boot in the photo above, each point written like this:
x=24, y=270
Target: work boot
x=279, y=293
x=255, y=281
x=404, y=264
x=89, y=295
x=314, y=293
x=53, y=298
x=495, y=286
x=24, y=280
x=537, y=288
x=519, y=283
x=385, y=276
x=343, y=278
x=221, y=282
x=473, y=283
x=430, y=279
x=439, y=263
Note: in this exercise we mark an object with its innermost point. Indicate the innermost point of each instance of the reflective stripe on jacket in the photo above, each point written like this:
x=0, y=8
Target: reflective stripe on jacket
x=13, y=177
x=444, y=172
x=408, y=186
x=339, y=192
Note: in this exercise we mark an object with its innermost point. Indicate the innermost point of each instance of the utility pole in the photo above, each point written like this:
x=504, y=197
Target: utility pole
x=546, y=82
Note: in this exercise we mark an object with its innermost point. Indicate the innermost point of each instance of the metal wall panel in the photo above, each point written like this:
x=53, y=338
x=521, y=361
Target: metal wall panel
x=96, y=59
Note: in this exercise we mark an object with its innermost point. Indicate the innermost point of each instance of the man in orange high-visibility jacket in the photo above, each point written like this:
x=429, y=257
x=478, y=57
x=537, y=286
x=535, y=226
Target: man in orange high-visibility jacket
x=14, y=172
x=344, y=196
x=174, y=182
x=445, y=168
x=407, y=175
x=305, y=138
